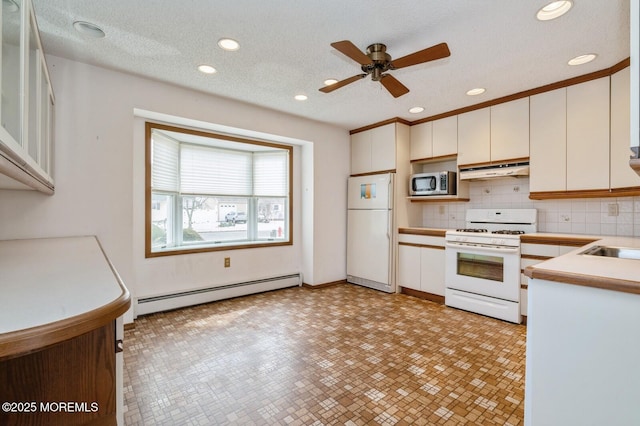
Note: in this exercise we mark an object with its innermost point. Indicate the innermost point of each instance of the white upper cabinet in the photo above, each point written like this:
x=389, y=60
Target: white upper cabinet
x=360, y=153
x=374, y=150
x=474, y=137
x=497, y=133
x=26, y=105
x=383, y=148
x=435, y=139
x=445, y=136
x=588, y=135
x=422, y=141
x=510, y=130
x=548, y=157
x=622, y=176
x=580, y=137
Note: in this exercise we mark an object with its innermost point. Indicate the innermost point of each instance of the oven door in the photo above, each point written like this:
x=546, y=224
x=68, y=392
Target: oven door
x=483, y=269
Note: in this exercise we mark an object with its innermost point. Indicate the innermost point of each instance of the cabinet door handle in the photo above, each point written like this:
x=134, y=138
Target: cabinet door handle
x=119, y=346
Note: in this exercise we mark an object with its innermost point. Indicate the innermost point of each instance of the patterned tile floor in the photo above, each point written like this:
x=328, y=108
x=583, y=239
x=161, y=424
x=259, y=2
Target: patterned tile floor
x=340, y=355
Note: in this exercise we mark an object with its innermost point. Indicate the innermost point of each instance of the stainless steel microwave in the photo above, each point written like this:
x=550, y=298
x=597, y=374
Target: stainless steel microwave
x=438, y=183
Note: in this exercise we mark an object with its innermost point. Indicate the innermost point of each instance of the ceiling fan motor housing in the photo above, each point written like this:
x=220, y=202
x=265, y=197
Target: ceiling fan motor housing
x=380, y=61
x=376, y=62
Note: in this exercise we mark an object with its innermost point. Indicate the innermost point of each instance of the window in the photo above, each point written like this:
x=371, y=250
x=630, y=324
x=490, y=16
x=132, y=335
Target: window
x=214, y=192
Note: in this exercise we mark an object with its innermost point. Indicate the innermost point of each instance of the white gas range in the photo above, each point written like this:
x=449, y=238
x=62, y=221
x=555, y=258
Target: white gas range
x=482, y=262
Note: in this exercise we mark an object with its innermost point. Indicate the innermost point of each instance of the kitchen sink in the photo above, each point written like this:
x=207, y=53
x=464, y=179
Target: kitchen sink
x=609, y=251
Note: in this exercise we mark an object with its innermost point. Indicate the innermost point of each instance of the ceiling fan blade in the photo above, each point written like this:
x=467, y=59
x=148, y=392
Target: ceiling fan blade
x=432, y=53
x=349, y=49
x=334, y=86
x=393, y=85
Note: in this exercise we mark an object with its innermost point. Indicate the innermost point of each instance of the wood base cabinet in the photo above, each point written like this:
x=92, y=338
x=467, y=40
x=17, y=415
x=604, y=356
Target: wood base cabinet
x=61, y=332
x=69, y=383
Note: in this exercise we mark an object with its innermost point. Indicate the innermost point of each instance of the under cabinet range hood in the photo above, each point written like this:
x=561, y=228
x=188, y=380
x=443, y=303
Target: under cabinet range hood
x=495, y=171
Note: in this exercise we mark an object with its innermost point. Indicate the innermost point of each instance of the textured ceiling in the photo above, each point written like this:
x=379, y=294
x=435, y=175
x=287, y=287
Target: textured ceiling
x=285, y=48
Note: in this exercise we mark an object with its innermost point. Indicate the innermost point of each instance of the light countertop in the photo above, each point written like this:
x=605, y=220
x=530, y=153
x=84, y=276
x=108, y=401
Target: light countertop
x=593, y=271
x=58, y=286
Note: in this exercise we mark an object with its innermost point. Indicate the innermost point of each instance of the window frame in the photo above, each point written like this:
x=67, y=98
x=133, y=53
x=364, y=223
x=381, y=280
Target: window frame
x=149, y=253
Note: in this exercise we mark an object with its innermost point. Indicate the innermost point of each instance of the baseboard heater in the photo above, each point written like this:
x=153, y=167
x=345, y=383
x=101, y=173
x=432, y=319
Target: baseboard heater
x=148, y=305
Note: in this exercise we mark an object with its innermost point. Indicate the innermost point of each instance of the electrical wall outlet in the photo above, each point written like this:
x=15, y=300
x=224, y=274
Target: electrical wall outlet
x=227, y=262
x=613, y=209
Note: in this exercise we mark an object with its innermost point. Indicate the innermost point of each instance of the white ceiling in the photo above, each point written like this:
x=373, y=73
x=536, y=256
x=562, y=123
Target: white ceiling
x=285, y=48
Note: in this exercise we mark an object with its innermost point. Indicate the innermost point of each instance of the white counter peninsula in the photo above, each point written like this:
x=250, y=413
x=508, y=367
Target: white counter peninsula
x=583, y=337
x=61, y=307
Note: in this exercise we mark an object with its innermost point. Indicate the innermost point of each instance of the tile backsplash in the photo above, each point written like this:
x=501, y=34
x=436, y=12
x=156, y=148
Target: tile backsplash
x=590, y=216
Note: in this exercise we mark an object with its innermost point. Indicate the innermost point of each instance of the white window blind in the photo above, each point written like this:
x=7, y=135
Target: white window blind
x=197, y=169
x=270, y=174
x=213, y=171
x=165, y=157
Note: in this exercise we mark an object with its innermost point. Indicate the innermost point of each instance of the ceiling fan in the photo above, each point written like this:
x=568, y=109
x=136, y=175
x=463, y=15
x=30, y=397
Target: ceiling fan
x=377, y=62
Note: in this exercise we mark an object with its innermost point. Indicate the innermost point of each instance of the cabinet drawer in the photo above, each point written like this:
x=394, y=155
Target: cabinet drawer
x=423, y=240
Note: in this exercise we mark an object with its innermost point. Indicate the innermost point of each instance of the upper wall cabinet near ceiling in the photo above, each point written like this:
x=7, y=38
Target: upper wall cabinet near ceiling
x=621, y=176
x=374, y=150
x=434, y=139
x=548, y=157
x=588, y=135
x=474, y=137
x=494, y=134
x=26, y=106
x=510, y=130
x=580, y=140
x=570, y=138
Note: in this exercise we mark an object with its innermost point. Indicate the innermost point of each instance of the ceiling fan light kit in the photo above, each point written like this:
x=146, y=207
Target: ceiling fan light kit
x=377, y=63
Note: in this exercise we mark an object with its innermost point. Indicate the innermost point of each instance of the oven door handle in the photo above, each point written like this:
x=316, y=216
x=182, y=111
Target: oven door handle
x=483, y=247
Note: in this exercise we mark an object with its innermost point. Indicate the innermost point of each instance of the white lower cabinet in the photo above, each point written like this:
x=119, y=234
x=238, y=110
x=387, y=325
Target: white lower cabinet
x=432, y=270
x=421, y=264
x=409, y=268
x=531, y=254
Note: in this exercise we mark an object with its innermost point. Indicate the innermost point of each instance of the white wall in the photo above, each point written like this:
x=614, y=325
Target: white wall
x=588, y=216
x=99, y=174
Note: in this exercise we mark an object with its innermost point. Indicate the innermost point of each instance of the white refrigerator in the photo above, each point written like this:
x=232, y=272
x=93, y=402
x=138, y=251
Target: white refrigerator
x=370, y=231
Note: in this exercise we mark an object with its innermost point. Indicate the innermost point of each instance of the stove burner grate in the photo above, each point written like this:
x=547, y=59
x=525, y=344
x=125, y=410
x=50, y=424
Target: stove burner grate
x=471, y=230
x=508, y=232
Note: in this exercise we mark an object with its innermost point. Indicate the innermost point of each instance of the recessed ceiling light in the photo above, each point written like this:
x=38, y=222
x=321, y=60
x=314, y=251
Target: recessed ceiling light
x=88, y=29
x=300, y=97
x=554, y=10
x=228, y=44
x=330, y=81
x=10, y=5
x=207, y=69
x=582, y=59
x=416, y=109
x=476, y=91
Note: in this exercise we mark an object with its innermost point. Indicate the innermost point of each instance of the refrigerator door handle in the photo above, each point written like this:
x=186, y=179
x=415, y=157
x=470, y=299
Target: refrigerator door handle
x=389, y=219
